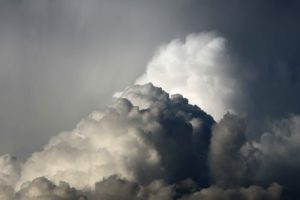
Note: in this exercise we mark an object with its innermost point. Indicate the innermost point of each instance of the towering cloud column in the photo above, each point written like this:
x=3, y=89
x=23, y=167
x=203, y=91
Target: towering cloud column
x=200, y=68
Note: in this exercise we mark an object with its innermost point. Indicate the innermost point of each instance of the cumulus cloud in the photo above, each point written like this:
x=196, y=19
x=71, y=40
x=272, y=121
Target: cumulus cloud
x=227, y=163
x=236, y=161
x=201, y=68
x=168, y=139
x=150, y=145
x=279, y=149
x=43, y=189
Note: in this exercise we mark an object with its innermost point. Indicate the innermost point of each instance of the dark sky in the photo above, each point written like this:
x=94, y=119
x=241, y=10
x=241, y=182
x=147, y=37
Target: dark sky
x=61, y=59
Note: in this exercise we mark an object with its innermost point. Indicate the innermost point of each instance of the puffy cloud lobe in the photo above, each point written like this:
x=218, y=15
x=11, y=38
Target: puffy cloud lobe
x=43, y=189
x=236, y=161
x=201, y=68
x=229, y=166
x=167, y=140
x=143, y=96
x=9, y=170
x=280, y=161
x=250, y=193
x=114, y=188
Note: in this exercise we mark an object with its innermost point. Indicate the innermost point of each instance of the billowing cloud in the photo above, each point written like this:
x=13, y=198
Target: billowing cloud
x=227, y=164
x=115, y=188
x=236, y=161
x=150, y=145
x=43, y=189
x=201, y=68
x=166, y=140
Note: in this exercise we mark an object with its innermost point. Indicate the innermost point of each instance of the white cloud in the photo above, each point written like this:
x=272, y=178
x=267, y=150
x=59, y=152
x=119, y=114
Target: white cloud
x=149, y=152
x=200, y=68
x=137, y=144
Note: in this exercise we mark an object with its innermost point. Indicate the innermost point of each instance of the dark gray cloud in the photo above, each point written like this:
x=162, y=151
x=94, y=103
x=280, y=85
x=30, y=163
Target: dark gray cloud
x=227, y=164
x=253, y=192
x=235, y=160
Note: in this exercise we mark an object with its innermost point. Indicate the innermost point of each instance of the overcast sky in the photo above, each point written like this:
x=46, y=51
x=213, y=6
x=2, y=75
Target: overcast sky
x=61, y=59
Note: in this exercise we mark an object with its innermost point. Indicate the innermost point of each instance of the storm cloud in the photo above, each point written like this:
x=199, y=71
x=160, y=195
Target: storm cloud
x=232, y=132
x=152, y=145
x=167, y=140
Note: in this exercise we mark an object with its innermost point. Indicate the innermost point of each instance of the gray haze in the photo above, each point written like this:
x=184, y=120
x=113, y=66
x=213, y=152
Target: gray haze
x=61, y=59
